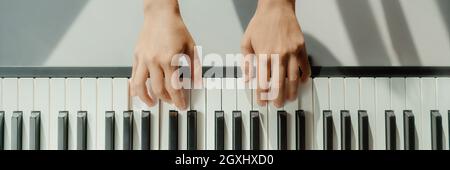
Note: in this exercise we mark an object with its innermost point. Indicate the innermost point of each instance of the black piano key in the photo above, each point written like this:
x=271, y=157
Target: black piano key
x=192, y=130
x=63, y=128
x=282, y=130
x=2, y=129
x=237, y=130
x=327, y=130
x=300, y=130
x=254, y=130
x=127, y=130
x=82, y=130
x=436, y=130
x=35, y=129
x=346, y=130
x=409, y=131
x=109, y=130
x=391, y=129
x=16, y=130
x=220, y=130
x=173, y=130
x=363, y=132
x=145, y=130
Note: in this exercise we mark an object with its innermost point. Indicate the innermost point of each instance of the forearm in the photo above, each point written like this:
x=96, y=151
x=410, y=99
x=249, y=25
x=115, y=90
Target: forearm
x=157, y=6
x=276, y=4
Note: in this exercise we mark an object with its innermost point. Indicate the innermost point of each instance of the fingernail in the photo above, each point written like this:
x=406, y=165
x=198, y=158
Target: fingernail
x=278, y=105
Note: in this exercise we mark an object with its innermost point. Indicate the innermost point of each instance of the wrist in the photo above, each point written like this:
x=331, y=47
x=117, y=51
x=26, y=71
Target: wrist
x=276, y=4
x=152, y=7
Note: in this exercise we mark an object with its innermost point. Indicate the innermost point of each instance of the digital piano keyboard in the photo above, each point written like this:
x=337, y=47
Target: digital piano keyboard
x=340, y=108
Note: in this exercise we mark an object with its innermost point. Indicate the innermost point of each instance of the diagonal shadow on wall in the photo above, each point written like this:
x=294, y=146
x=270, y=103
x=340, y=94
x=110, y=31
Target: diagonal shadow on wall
x=444, y=6
x=400, y=34
x=362, y=29
x=30, y=29
x=245, y=10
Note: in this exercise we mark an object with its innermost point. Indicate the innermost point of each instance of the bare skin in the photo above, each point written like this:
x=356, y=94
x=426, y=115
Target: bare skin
x=273, y=30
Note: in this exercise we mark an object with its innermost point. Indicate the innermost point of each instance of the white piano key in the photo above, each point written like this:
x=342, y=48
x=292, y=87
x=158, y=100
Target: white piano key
x=443, y=105
x=182, y=117
x=263, y=111
x=413, y=103
x=272, y=126
x=198, y=103
x=42, y=104
x=228, y=106
x=290, y=107
x=73, y=105
x=2, y=115
x=398, y=90
x=155, y=125
x=213, y=103
x=138, y=106
x=57, y=104
x=182, y=121
x=321, y=96
x=428, y=86
x=164, y=124
x=25, y=104
x=337, y=99
x=383, y=103
x=367, y=103
x=1, y=92
x=9, y=106
x=306, y=104
x=104, y=103
x=89, y=104
x=352, y=93
x=244, y=104
x=119, y=105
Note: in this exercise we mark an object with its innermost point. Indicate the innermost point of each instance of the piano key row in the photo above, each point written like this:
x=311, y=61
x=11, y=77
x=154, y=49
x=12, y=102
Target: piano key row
x=219, y=129
x=81, y=136
x=376, y=95
x=81, y=133
x=391, y=132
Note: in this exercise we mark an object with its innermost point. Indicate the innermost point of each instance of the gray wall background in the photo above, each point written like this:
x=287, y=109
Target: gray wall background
x=338, y=32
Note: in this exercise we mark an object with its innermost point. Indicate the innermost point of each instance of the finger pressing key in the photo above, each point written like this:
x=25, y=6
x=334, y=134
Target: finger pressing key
x=139, y=85
x=174, y=88
x=293, y=78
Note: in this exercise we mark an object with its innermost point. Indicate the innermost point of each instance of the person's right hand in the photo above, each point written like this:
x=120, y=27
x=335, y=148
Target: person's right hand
x=163, y=37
